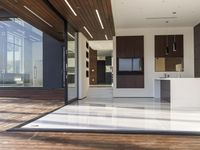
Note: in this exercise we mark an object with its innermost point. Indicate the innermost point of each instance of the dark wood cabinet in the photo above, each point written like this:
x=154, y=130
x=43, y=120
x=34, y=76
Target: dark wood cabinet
x=139, y=81
x=161, y=43
x=165, y=90
x=197, y=50
x=130, y=47
x=130, y=81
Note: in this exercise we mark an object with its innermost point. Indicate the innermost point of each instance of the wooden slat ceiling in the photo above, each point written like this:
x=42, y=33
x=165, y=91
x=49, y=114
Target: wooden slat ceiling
x=41, y=9
x=86, y=16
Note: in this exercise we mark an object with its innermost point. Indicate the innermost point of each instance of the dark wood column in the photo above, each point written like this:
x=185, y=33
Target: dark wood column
x=93, y=67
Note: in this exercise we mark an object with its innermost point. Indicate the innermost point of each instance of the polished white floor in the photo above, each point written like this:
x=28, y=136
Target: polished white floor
x=120, y=114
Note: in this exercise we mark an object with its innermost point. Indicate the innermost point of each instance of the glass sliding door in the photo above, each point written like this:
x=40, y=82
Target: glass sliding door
x=72, y=64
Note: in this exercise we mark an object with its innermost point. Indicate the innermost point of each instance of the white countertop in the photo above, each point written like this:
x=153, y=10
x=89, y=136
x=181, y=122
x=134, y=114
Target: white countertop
x=159, y=79
x=184, y=92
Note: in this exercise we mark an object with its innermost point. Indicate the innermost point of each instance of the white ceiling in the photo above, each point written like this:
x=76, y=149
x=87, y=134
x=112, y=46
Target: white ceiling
x=101, y=45
x=104, y=53
x=134, y=13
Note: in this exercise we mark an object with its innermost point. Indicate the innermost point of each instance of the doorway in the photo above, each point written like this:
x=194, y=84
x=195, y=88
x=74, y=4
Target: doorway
x=101, y=72
x=101, y=68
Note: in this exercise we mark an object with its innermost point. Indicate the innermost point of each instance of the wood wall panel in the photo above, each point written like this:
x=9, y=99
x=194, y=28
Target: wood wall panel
x=93, y=67
x=125, y=81
x=160, y=45
x=161, y=42
x=197, y=50
x=180, y=45
x=139, y=47
x=130, y=81
x=130, y=47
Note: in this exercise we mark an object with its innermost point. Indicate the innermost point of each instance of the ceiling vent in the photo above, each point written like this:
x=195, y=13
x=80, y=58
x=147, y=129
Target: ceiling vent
x=160, y=18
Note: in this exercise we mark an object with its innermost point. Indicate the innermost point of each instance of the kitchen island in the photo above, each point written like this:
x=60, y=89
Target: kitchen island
x=179, y=92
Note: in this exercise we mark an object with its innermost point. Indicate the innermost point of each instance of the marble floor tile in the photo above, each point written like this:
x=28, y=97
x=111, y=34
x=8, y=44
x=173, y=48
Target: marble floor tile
x=120, y=114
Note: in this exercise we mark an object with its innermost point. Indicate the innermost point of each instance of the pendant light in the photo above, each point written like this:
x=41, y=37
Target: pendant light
x=174, y=44
x=167, y=46
x=167, y=41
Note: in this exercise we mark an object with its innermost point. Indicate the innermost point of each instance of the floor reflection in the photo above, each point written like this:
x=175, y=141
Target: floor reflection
x=120, y=114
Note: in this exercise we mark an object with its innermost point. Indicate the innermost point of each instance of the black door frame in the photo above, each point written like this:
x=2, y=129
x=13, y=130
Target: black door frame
x=67, y=101
x=65, y=69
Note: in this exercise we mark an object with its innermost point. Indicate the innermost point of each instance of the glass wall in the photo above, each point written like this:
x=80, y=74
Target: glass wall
x=72, y=64
x=21, y=54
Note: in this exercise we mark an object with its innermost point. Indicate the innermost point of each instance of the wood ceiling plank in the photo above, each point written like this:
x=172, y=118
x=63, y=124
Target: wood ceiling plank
x=85, y=10
x=17, y=7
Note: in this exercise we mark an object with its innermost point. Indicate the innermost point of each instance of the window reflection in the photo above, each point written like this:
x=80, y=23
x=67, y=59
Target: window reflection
x=169, y=64
x=72, y=64
x=21, y=54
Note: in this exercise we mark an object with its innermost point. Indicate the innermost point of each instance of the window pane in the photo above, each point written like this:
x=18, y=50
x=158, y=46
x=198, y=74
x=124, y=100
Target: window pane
x=10, y=38
x=21, y=54
x=125, y=64
x=18, y=41
x=137, y=64
x=10, y=68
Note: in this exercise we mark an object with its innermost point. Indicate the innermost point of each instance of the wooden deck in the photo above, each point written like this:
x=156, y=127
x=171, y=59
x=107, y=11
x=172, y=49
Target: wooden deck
x=16, y=111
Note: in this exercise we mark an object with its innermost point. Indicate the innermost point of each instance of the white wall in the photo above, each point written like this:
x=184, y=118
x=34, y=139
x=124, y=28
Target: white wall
x=83, y=81
x=149, y=54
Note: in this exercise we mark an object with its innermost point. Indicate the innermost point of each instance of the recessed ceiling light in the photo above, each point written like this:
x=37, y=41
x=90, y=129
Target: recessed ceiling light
x=71, y=35
x=97, y=12
x=37, y=16
x=70, y=7
x=106, y=37
x=88, y=32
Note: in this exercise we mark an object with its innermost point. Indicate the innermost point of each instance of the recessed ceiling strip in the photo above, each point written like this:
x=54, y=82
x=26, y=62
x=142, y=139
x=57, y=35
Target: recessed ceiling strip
x=106, y=37
x=88, y=32
x=97, y=12
x=37, y=16
x=71, y=35
x=70, y=7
